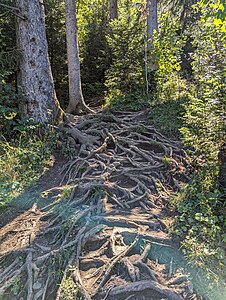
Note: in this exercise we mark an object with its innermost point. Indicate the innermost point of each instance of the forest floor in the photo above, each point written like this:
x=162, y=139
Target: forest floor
x=96, y=226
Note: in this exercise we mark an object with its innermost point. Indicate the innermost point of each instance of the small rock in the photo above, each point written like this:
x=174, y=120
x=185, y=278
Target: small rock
x=37, y=285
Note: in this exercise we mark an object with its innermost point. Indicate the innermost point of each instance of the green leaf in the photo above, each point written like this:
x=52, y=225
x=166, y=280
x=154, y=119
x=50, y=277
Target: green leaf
x=218, y=22
x=224, y=238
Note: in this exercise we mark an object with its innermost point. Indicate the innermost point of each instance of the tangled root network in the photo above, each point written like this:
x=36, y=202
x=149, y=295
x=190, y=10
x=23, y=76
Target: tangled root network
x=108, y=238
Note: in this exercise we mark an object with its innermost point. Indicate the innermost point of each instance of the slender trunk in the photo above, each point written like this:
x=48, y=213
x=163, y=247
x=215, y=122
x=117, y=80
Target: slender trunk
x=152, y=21
x=113, y=9
x=35, y=77
x=152, y=25
x=222, y=168
x=76, y=101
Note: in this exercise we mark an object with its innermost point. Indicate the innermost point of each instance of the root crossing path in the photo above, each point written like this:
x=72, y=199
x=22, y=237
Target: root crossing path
x=103, y=234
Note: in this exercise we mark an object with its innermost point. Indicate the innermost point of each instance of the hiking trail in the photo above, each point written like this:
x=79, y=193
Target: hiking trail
x=105, y=226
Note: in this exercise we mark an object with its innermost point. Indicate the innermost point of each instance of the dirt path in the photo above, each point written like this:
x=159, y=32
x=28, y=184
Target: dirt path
x=103, y=234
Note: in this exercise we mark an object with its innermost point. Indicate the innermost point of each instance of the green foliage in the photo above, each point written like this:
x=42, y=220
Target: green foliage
x=204, y=129
x=214, y=12
x=166, y=52
x=133, y=101
x=170, y=92
x=8, y=107
x=68, y=289
x=168, y=116
x=196, y=109
x=202, y=222
x=126, y=43
x=58, y=262
x=92, y=24
x=16, y=285
x=9, y=55
x=22, y=161
x=94, y=53
x=9, y=62
x=98, y=192
x=204, y=117
x=56, y=36
x=66, y=193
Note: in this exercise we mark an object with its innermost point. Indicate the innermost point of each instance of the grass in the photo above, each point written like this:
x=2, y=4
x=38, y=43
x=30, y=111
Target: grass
x=68, y=289
x=167, y=116
x=133, y=101
x=201, y=223
x=22, y=161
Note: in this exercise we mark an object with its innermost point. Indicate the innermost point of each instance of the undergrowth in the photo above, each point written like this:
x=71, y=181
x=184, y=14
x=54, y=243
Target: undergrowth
x=23, y=159
x=131, y=101
x=201, y=222
x=68, y=290
x=167, y=116
x=26, y=149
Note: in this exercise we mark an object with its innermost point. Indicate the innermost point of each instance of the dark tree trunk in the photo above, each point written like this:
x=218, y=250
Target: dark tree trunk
x=222, y=167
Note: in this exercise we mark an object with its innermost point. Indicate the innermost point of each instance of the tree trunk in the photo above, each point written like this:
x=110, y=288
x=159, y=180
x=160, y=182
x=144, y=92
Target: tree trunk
x=152, y=21
x=222, y=168
x=76, y=101
x=35, y=77
x=152, y=25
x=113, y=9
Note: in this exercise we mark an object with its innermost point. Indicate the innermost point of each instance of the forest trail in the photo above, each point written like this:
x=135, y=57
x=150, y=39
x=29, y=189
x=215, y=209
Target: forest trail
x=106, y=225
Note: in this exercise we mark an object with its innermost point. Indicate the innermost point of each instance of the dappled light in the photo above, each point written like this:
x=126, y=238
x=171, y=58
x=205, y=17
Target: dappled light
x=112, y=150
x=21, y=232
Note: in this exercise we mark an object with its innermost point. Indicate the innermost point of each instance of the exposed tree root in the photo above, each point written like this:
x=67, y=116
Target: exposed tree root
x=120, y=180
x=141, y=287
x=29, y=276
x=113, y=263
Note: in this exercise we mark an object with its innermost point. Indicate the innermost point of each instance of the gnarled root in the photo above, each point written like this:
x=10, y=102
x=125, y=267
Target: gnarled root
x=120, y=179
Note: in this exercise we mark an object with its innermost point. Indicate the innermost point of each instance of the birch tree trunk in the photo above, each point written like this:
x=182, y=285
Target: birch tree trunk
x=113, y=9
x=76, y=100
x=152, y=25
x=35, y=77
x=152, y=21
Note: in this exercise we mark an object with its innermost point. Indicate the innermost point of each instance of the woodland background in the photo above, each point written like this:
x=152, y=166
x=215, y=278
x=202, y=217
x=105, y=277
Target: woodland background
x=185, y=92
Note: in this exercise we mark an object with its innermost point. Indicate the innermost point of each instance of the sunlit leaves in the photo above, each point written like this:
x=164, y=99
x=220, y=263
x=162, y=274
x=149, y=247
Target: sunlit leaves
x=126, y=43
x=213, y=11
x=167, y=50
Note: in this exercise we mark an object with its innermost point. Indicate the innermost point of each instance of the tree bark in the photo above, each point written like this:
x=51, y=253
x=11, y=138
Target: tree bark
x=113, y=9
x=35, y=77
x=76, y=100
x=152, y=25
x=152, y=21
x=222, y=168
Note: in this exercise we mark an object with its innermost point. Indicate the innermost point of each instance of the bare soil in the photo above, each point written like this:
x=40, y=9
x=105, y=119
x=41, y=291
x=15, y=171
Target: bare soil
x=101, y=218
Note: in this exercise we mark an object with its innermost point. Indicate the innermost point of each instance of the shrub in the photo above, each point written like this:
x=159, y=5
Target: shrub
x=23, y=160
x=202, y=221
